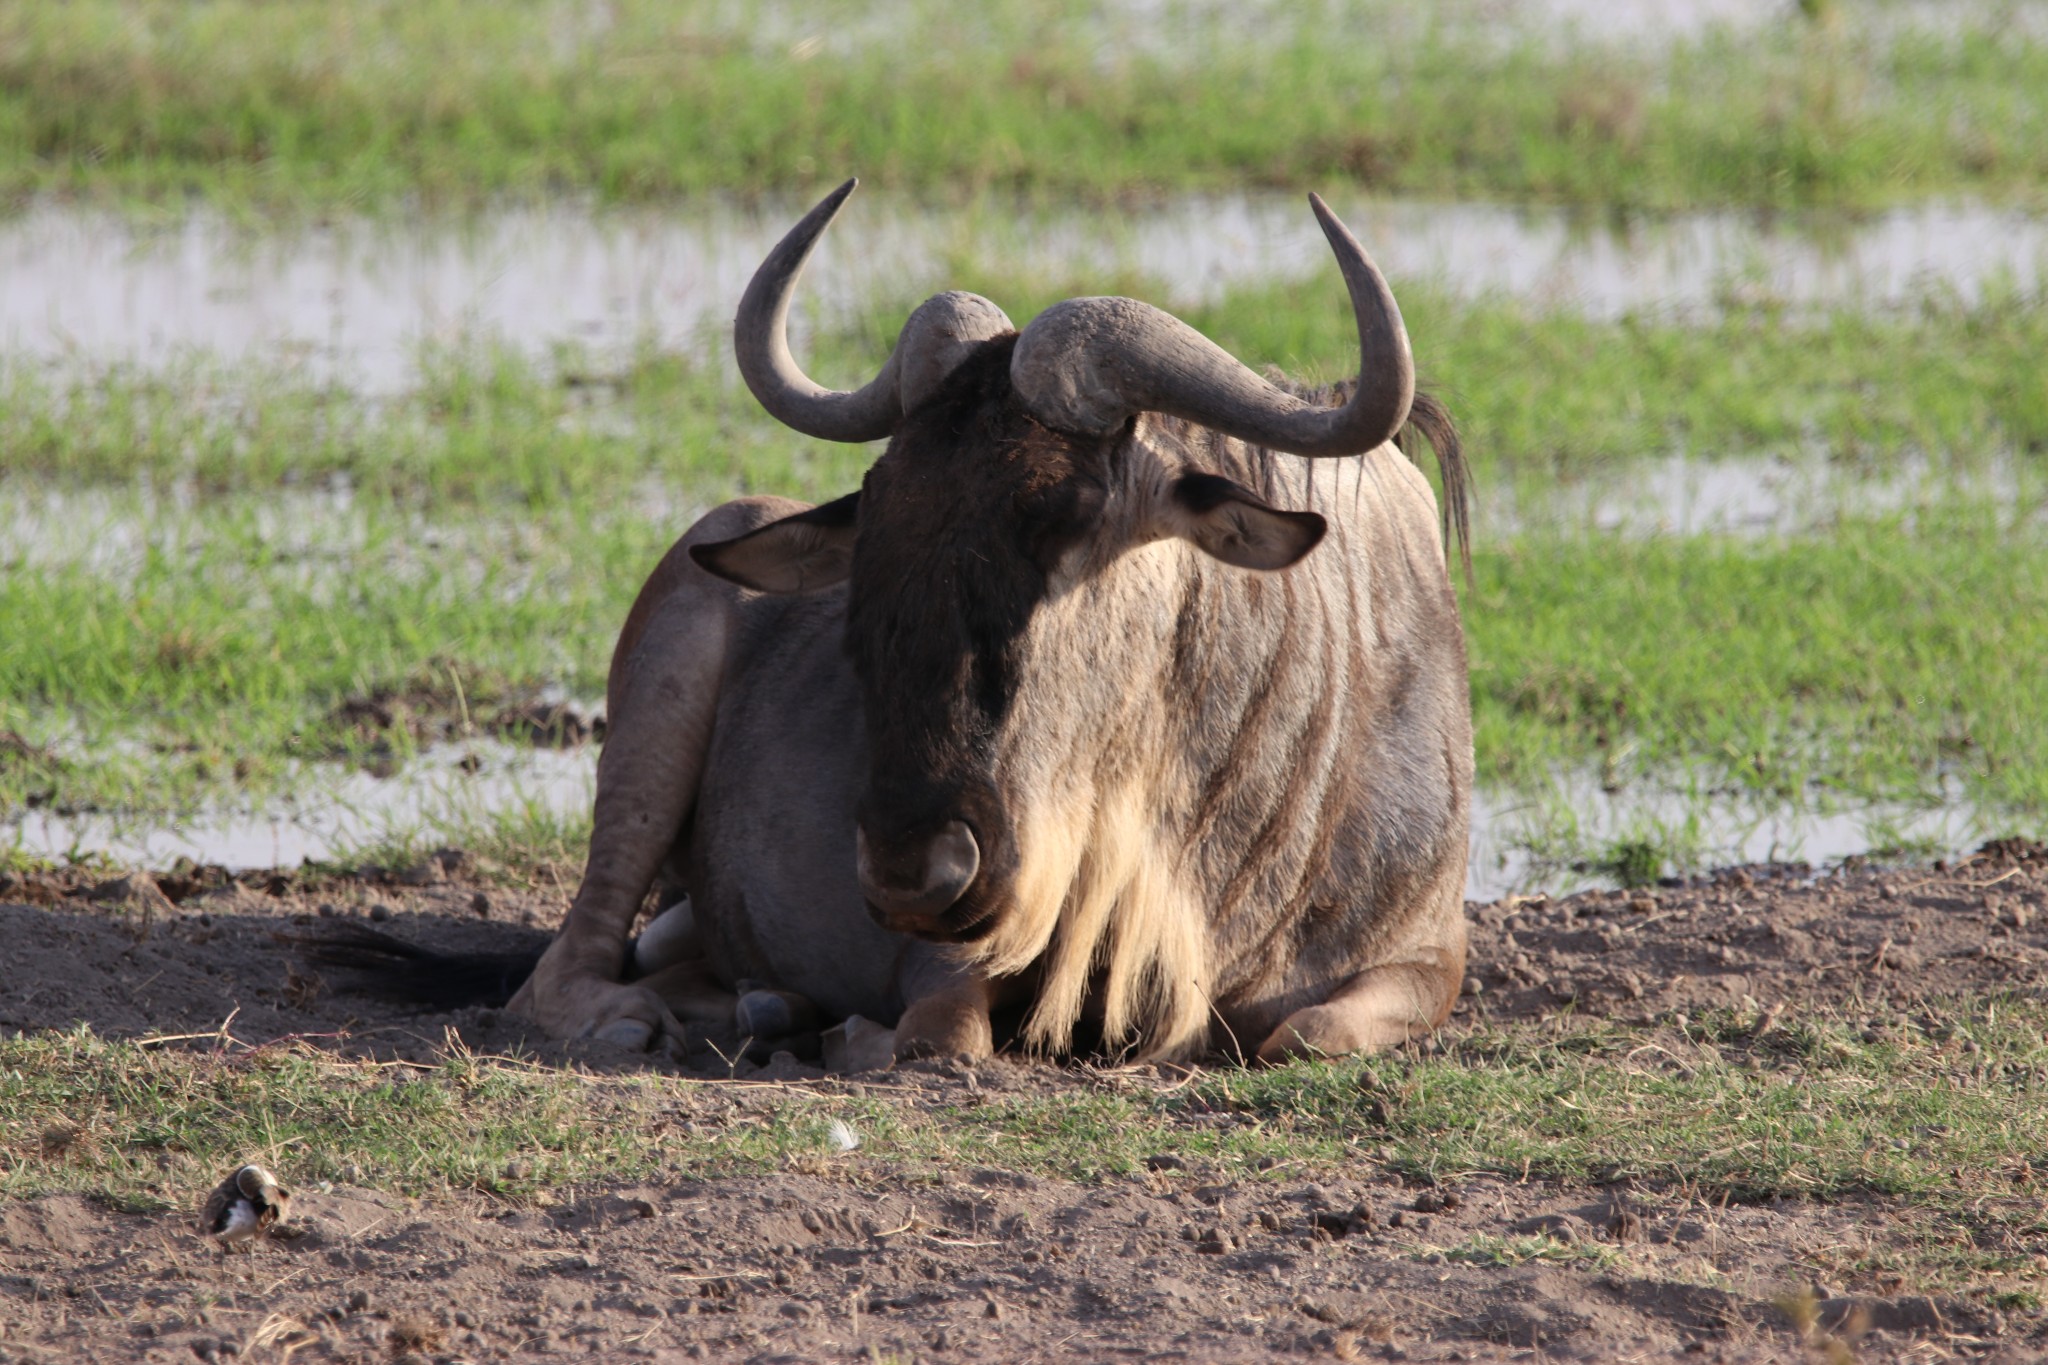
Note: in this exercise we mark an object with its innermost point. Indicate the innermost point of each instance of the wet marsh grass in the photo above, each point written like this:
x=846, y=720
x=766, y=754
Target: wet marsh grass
x=1544, y=397
x=210, y=567
x=1941, y=1122
x=257, y=104
x=1875, y=660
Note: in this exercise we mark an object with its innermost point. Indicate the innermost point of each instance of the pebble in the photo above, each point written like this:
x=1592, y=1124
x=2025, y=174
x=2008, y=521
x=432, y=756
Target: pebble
x=380, y=912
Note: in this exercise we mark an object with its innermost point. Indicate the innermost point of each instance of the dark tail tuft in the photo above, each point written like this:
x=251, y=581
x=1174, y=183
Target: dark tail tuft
x=1432, y=419
x=390, y=968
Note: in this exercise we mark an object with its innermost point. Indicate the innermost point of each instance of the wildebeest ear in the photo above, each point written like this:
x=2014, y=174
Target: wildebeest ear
x=802, y=552
x=1233, y=524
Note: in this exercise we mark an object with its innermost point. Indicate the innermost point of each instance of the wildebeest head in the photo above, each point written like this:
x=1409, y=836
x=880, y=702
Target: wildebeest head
x=1014, y=479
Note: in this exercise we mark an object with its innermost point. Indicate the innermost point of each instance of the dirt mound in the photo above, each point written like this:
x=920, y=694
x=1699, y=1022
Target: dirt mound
x=1780, y=936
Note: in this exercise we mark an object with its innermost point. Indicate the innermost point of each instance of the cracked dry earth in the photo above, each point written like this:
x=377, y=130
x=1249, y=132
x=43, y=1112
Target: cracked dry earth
x=884, y=1259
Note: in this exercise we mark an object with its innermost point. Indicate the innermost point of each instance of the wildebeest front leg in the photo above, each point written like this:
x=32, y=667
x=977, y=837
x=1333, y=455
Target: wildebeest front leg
x=1379, y=1008
x=661, y=698
x=945, y=1006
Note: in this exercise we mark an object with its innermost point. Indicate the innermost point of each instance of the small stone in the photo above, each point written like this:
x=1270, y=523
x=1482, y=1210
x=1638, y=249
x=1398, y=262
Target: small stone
x=1162, y=1161
x=480, y=904
x=380, y=912
x=992, y=1310
x=1474, y=986
x=358, y=1301
x=465, y=1320
x=427, y=873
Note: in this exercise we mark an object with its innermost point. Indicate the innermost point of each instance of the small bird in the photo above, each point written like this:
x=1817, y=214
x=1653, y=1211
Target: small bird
x=244, y=1206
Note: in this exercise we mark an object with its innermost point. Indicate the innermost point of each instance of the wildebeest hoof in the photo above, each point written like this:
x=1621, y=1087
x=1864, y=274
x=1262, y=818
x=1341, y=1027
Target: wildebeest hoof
x=627, y=1033
x=773, y=1014
x=858, y=1044
x=667, y=940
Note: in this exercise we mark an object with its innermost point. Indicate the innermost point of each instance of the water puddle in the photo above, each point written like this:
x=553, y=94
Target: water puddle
x=1565, y=839
x=446, y=795
x=1753, y=497
x=1579, y=835
x=325, y=534
x=1187, y=31
x=354, y=301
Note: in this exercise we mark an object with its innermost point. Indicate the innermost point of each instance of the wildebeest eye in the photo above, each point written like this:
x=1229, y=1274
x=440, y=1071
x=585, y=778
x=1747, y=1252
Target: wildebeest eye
x=1054, y=520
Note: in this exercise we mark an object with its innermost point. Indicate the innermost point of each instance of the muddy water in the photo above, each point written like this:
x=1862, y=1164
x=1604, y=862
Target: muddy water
x=355, y=300
x=434, y=799
x=1753, y=496
x=1188, y=31
x=1522, y=842
x=110, y=531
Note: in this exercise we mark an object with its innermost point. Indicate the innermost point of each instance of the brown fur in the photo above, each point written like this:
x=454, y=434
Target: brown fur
x=1201, y=706
x=1161, y=755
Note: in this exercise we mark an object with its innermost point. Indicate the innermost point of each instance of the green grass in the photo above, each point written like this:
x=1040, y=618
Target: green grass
x=1870, y=660
x=1545, y=398
x=1946, y=1135
x=1876, y=660
x=494, y=523
x=258, y=103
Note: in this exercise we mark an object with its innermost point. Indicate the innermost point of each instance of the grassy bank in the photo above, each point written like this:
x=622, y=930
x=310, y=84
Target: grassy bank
x=255, y=103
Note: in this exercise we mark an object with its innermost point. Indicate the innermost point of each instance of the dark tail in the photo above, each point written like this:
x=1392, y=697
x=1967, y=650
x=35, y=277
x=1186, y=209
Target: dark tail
x=1429, y=417
x=390, y=968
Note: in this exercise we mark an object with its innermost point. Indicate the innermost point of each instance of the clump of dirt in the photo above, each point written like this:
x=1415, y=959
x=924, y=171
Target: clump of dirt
x=34, y=767
x=1776, y=935
x=438, y=705
x=872, y=1257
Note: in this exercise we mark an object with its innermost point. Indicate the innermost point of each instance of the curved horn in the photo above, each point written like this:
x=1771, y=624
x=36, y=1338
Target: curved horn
x=1089, y=364
x=935, y=338
x=760, y=340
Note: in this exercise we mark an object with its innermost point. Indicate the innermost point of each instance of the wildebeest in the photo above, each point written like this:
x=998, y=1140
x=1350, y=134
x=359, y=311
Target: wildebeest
x=1102, y=699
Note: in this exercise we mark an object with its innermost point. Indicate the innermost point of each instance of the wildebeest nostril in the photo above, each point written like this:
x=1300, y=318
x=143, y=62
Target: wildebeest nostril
x=950, y=861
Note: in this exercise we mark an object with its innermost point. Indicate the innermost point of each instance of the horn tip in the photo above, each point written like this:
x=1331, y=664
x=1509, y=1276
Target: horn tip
x=829, y=205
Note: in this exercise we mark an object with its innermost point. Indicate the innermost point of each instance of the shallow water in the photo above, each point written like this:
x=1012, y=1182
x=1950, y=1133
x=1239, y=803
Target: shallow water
x=1187, y=31
x=1522, y=842
x=326, y=532
x=435, y=798
x=1749, y=497
x=355, y=300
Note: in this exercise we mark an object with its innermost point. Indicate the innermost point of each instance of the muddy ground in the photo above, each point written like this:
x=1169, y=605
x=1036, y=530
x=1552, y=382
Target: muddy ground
x=875, y=1261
